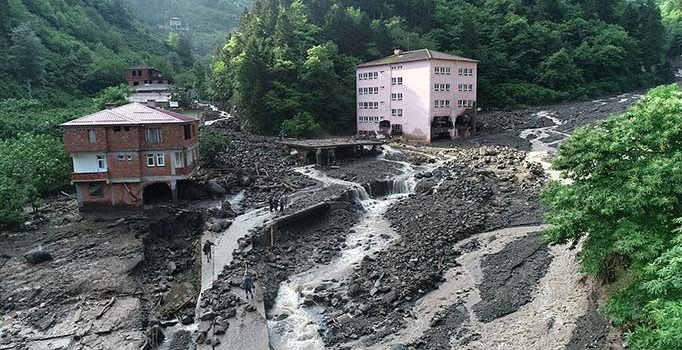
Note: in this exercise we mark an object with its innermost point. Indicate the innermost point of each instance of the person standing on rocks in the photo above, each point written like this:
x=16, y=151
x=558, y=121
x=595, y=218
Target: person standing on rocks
x=208, y=247
x=247, y=285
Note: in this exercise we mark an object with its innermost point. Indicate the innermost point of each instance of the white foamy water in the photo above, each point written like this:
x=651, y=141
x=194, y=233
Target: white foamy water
x=300, y=329
x=541, y=151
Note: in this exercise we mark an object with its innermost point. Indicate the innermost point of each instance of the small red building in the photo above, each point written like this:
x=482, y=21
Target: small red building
x=129, y=155
x=140, y=76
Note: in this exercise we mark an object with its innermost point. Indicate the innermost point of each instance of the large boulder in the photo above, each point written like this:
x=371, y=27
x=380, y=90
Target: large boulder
x=213, y=186
x=37, y=256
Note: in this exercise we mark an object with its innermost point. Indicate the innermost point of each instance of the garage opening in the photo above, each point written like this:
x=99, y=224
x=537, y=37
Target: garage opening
x=157, y=193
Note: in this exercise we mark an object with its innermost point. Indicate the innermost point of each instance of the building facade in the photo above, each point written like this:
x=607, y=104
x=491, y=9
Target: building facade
x=139, y=76
x=419, y=95
x=151, y=87
x=128, y=155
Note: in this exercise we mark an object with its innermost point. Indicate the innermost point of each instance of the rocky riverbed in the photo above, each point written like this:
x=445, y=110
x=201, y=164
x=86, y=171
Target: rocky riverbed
x=453, y=261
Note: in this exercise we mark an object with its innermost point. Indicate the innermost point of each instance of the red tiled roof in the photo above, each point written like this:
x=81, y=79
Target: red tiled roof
x=131, y=114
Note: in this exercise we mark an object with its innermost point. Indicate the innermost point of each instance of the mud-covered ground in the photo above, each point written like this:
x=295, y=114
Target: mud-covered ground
x=109, y=281
x=117, y=281
x=475, y=190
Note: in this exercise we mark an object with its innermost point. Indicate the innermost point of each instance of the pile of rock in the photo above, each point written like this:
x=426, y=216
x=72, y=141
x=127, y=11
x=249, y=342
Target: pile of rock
x=254, y=162
x=475, y=191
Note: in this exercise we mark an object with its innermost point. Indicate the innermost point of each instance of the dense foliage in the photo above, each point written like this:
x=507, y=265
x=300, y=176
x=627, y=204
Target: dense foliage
x=58, y=50
x=32, y=157
x=211, y=146
x=299, y=56
x=30, y=165
x=207, y=21
x=625, y=198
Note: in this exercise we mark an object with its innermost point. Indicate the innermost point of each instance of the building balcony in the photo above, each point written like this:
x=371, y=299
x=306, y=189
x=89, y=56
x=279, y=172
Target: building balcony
x=86, y=177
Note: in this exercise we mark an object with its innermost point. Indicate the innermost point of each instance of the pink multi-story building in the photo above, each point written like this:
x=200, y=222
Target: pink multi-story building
x=420, y=95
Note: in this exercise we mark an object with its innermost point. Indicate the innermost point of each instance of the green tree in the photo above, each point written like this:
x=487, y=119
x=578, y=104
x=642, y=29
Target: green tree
x=624, y=197
x=30, y=166
x=212, y=145
x=29, y=54
x=301, y=125
x=117, y=95
x=559, y=71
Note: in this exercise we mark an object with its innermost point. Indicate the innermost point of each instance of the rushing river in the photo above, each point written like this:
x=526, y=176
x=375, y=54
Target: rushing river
x=292, y=325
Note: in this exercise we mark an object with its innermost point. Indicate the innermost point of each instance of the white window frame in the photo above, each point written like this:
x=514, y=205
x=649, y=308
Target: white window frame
x=400, y=96
x=447, y=70
x=400, y=112
x=447, y=87
x=400, y=80
x=179, y=160
x=151, y=160
x=101, y=162
x=394, y=81
x=152, y=136
x=160, y=160
x=447, y=103
x=92, y=136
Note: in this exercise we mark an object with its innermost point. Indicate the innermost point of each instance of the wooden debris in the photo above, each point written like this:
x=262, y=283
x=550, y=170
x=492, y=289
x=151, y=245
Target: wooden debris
x=106, y=307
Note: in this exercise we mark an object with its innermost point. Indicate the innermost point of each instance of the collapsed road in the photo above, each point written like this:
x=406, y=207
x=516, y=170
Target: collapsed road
x=422, y=247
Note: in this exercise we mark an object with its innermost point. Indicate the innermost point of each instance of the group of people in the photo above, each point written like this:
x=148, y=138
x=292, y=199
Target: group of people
x=278, y=202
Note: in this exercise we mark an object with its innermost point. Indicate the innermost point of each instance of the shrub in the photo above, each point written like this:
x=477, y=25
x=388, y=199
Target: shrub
x=30, y=166
x=211, y=146
x=114, y=94
x=301, y=125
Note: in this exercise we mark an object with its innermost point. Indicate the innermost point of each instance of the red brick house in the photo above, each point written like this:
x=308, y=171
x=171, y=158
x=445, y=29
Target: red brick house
x=129, y=155
x=139, y=76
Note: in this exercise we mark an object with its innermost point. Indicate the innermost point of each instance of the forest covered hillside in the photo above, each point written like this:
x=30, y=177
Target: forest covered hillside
x=294, y=60
x=208, y=21
x=70, y=49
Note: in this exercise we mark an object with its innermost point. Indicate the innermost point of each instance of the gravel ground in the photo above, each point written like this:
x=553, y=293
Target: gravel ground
x=510, y=277
x=477, y=190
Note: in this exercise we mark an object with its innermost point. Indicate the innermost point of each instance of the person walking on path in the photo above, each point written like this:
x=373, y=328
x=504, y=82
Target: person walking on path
x=208, y=247
x=247, y=285
x=283, y=201
x=273, y=203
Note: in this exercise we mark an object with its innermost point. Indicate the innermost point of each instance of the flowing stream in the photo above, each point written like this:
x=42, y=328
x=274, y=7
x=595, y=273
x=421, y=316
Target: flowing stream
x=292, y=326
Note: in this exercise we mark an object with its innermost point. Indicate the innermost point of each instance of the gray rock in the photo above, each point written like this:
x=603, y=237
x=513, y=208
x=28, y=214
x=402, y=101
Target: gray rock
x=207, y=315
x=37, y=256
x=214, y=187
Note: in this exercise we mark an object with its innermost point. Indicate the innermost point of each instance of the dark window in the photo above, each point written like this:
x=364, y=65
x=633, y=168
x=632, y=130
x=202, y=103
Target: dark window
x=188, y=132
x=126, y=128
x=134, y=73
x=117, y=128
x=136, y=83
x=139, y=73
x=160, y=81
x=396, y=129
x=96, y=190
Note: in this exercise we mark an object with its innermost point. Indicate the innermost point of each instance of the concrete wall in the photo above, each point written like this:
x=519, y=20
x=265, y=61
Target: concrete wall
x=418, y=95
x=112, y=195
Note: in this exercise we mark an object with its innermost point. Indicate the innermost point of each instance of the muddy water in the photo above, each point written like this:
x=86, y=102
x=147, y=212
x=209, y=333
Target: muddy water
x=542, y=150
x=295, y=327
